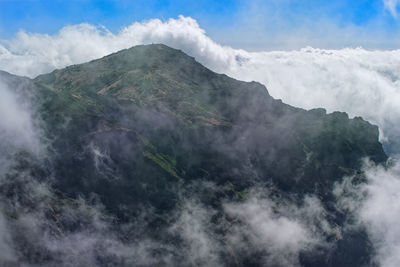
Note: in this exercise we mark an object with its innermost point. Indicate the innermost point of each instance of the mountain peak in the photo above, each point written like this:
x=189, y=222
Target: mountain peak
x=148, y=54
x=145, y=127
x=154, y=74
x=142, y=62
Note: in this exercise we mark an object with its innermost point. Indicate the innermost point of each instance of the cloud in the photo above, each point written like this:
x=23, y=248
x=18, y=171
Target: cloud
x=391, y=5
x=360, y=82
x=274, y=231
x=376, y=206
x=194, y=227
x=279, y=230
x=381, y=212
x=33, y=54
x=19, y=131
x=16, y=123
x=7, y=253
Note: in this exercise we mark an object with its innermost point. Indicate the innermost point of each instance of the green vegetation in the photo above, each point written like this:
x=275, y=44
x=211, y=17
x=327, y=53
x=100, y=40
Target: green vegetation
x=164, y=161
x=120, y=127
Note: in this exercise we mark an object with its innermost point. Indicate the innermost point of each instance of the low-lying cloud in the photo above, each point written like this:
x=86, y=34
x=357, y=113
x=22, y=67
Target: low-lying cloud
x=16, y=123
x=280, y=230
x=18, y=131
x=375, y=204
x=275, y=231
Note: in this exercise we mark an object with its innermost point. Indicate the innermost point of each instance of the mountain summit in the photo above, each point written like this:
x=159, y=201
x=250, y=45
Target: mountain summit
x=147, y=130
x=153, y=74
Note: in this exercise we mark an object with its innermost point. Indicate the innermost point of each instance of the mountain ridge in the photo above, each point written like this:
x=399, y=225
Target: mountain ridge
x=147, y=125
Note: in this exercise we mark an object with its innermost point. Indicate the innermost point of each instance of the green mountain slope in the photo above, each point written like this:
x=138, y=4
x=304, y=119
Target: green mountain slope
x=145, y=126
x=186, y=111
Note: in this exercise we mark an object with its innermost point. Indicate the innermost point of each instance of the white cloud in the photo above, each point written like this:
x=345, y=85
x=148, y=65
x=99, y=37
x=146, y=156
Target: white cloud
x=361, y=82
x=33, y=54
x=281, y=230
x=277, y=231
x=18, y=131
x=195, y=228
x=391, y=5
x=381, y=213
x=376, y=205
x=7, y=253
x=16, y=124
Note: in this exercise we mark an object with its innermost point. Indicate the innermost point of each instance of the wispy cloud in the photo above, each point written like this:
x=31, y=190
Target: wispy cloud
x=376, y=206
x=280, y=230
x=391, y=6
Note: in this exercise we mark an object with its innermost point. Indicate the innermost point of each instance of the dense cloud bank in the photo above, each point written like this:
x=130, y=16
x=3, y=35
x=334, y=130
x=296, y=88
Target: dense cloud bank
x=375, y=205
x=360, y=82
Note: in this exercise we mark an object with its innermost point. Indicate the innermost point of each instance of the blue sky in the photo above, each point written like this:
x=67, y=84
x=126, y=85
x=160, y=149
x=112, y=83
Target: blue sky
x=253, y=24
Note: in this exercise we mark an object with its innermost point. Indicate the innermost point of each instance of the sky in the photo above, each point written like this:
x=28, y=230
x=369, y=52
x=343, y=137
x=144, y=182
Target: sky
x=248, y=24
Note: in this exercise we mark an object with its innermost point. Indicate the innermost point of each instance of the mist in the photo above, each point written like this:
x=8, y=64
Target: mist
x=375, y=206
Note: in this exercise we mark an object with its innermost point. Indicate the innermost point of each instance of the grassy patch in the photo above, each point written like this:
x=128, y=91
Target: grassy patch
x=163, y=161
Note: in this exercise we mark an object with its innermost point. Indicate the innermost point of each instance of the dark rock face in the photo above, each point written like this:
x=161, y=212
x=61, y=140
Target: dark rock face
x=147, y=127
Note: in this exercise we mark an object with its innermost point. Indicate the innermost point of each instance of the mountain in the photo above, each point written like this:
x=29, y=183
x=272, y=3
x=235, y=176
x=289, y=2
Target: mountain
x=135, y=136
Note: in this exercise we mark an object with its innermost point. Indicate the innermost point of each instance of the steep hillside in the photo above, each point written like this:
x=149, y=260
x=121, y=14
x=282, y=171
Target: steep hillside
x=150, y=129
